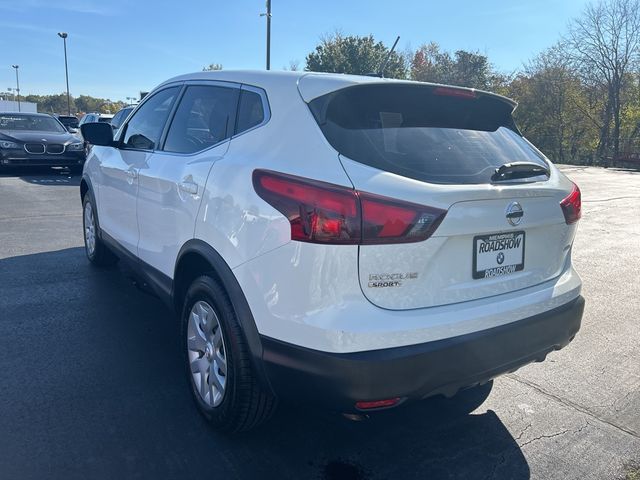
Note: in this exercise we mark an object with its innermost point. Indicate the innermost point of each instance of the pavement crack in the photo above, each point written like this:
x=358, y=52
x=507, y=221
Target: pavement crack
x=572, y=405
x=503, y=456
x=600, y=200
x=552, y=435
x=540, y=437
x=522, y=432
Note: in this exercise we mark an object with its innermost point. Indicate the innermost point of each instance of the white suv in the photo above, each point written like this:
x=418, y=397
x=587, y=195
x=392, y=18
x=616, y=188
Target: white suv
x=353, y=242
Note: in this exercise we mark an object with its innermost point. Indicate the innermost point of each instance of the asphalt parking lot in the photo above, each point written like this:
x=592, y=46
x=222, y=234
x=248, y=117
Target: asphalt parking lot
x=92, y=385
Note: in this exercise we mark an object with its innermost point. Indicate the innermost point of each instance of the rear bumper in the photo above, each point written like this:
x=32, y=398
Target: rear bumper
x=338, y=380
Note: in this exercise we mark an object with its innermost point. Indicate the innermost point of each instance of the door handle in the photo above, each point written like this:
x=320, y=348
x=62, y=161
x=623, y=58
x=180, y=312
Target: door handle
x=132, y=175
x=189, y=187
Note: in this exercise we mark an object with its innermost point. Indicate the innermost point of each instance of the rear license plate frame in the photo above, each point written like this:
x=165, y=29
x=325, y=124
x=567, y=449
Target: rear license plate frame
x=499, y=270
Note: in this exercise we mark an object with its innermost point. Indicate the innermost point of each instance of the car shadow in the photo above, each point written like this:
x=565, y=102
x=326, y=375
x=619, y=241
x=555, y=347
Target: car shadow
x=50, y=176
x=95, y=388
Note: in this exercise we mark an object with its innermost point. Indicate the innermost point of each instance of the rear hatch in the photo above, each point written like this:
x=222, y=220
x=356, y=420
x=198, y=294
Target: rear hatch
x=440, y=147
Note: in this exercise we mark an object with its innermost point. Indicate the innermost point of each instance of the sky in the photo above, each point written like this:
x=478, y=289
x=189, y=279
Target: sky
x=117, y=48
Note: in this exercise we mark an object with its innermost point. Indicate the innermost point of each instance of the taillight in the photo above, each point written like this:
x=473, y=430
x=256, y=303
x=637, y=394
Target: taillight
x=325, y=213
x=385, y=220
x=318, y=212
x=572, y=206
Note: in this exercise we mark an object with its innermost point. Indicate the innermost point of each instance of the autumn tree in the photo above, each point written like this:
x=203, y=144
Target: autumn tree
x=463, y=68
x=553, y=110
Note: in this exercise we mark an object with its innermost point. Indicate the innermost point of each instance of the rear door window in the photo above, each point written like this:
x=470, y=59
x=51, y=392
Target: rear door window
x=431, y=134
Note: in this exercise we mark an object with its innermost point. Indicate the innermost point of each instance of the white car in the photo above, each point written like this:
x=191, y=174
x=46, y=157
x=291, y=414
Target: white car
x=345, y=241
x=95, y=117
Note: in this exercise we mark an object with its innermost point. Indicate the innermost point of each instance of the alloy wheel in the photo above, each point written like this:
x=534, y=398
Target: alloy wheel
x=89, y=229
x=207, y=353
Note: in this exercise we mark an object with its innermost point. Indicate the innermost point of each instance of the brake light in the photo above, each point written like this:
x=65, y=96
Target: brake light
x=325, y=213
x=572, y=206
x=454, y=92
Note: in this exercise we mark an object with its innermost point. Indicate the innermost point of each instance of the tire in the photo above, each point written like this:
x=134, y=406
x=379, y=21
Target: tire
x=96, y=251
x=217, y=347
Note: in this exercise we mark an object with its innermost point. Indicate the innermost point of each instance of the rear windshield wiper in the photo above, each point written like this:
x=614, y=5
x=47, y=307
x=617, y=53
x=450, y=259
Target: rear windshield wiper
x=516, y=170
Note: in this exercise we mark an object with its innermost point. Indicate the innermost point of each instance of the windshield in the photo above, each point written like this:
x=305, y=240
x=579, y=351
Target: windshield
x=428, y=134
x=30, y=122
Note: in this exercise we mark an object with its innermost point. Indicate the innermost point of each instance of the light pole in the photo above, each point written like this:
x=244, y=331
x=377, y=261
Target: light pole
x=63, y=36
x=131, y=99
x=268, y=15
x=17, y=84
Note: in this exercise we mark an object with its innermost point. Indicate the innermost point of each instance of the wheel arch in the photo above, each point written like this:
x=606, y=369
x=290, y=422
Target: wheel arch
x=197, y=258
x=86, y=188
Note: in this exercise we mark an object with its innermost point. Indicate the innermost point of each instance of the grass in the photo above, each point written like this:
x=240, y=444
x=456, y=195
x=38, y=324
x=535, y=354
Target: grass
x=632, y=473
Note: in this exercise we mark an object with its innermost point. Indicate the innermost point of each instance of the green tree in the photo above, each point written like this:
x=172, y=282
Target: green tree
x=356, y=55
x=51, y=103
x=212, y=67
x=463, y=68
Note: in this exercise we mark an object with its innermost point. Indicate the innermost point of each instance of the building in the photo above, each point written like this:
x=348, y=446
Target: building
x=11, y=106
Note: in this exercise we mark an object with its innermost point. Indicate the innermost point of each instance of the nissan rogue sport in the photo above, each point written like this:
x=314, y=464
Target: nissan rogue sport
x=350, y=242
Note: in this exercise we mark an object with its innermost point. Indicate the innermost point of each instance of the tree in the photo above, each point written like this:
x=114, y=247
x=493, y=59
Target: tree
x=294, y=66
x=86, y=103
x=553, y=110
x=467, y=69
x=212, y=67
x=604, y=44
x=430, y=64
x=355, y=55
x=50, y=103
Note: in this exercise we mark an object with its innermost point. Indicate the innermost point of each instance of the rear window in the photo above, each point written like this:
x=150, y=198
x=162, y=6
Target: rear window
x=426, y=133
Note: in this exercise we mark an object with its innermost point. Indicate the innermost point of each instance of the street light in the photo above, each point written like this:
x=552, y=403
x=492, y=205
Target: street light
x=268, y=15
x=17, y=84
x=63, y=36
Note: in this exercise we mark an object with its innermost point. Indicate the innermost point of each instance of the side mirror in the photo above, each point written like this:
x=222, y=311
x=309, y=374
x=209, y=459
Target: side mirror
x=98, y=134
x=72, y=130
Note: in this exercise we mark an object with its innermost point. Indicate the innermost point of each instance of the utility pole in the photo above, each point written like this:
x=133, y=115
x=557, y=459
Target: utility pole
x=17, y=84
x=268, y=15
x=63, y=36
